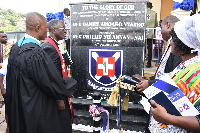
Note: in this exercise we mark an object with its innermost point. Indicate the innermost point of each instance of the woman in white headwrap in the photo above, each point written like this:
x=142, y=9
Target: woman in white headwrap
x=186, y=44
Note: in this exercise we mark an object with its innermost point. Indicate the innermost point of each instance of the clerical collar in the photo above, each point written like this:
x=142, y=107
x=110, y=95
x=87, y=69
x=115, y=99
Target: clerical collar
x=170, y=39
x=29, y=36
x=54, y=40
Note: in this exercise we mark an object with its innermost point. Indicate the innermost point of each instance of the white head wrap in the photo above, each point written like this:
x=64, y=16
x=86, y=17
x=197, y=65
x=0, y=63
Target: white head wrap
x=197, y=25
x=188, y=31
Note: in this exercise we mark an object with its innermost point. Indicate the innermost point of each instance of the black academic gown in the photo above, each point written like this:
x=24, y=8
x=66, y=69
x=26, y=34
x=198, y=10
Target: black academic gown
x=172, y=62
x=65, y=115
x=33, y=86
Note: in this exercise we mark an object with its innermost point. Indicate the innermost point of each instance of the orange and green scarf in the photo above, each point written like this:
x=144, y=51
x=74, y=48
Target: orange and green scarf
x=188, y=80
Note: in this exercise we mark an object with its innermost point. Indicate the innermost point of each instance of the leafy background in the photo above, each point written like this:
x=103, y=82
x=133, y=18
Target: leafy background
x=9, y=19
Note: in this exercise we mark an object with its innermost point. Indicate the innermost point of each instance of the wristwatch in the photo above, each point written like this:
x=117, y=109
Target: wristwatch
x=198, y=118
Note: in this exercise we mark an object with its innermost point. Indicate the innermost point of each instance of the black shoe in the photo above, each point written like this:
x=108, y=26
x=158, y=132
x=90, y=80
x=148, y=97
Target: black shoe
x=148, y=66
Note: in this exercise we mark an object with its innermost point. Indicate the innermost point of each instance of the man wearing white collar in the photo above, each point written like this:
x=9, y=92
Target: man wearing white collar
x=57, y=32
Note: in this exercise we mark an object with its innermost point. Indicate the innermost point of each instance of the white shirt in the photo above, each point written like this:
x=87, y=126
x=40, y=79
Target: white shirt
x=29, y=36
x=67, y=26
x=3, y=71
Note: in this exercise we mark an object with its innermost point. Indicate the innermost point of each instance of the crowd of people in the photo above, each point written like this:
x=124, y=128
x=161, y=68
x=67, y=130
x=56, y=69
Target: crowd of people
x=37, y=98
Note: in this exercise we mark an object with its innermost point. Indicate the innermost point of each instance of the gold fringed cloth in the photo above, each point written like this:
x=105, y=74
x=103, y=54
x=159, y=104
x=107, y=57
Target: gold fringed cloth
x=113, y=99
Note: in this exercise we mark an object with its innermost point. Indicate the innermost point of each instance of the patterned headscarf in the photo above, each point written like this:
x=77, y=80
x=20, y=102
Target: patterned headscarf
x=188, y=31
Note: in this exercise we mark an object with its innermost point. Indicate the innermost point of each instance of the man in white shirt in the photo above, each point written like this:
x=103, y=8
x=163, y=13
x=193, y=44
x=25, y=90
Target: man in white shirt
x=67, y=26
x=3, y=72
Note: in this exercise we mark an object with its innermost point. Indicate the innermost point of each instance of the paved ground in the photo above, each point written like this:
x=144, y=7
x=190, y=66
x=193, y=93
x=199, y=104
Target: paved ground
x=2, y=118
x=147, y=72
x=89, y=129
x=150, y=71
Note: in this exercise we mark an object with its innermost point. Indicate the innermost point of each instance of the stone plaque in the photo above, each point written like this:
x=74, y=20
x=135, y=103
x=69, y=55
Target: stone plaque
x=107, y=40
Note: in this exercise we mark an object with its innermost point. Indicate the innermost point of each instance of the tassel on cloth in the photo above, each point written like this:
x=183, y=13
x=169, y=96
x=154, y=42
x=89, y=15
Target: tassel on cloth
x=121, y=131
x=125, y=101
x=113, y=99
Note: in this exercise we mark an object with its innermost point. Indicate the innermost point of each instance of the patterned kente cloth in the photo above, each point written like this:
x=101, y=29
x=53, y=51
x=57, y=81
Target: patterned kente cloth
x=188, y=80
x=6, y=50
x=187, y=77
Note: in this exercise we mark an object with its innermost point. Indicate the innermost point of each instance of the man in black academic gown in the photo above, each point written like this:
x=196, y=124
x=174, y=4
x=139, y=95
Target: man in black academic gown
x=168, y=61
x=57, y=32
x=33, y=83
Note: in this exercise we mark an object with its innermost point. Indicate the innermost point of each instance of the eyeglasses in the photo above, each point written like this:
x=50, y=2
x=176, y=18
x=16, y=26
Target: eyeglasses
x=63, y=29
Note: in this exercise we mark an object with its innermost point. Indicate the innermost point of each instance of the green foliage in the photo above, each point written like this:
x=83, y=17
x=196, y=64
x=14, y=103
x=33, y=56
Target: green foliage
x=8, y=19
x=12, y=28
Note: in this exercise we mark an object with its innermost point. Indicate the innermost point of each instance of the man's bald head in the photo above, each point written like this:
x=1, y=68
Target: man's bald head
x=33, y=19
x=166, y=26
x=171, y=19
x=36, y=25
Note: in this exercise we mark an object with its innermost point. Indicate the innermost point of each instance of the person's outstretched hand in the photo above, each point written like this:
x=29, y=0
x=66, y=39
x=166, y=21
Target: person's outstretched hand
x=159, y=113
x=61, y=105
x=142, y=86
x=145, y=77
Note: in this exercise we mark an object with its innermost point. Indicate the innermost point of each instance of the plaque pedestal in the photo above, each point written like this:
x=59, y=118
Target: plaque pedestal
x=180, y=13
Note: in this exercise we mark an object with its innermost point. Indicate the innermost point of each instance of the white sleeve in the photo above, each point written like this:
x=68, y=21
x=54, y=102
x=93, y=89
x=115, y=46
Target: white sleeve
x=3, y=70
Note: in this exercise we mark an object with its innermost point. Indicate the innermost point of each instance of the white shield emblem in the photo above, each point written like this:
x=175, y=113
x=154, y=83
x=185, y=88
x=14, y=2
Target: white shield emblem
x=105, y=65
